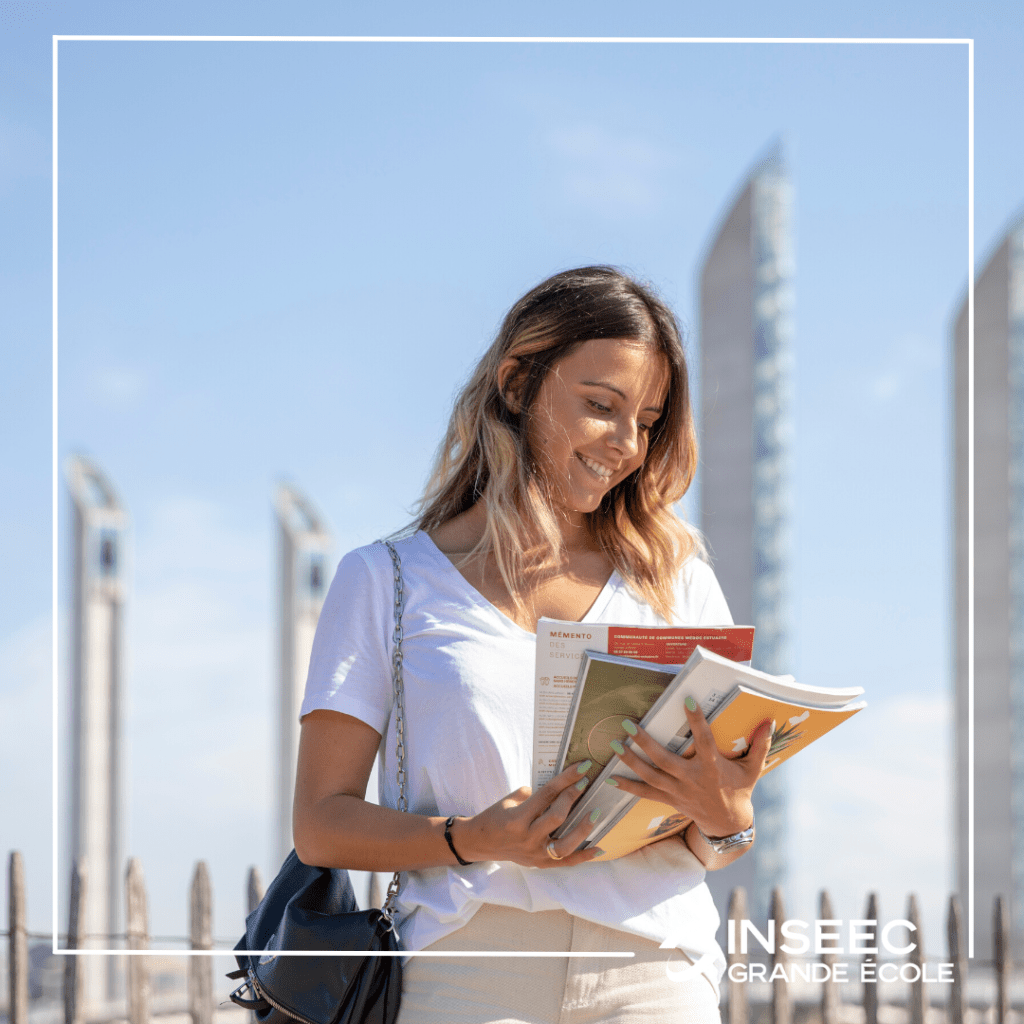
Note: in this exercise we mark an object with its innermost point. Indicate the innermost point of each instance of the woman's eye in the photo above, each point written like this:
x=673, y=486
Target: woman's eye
x=598, y=407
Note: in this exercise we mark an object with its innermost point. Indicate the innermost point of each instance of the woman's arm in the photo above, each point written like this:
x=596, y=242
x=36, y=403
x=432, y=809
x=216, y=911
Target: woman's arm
x=712, y=789
x=334, y=826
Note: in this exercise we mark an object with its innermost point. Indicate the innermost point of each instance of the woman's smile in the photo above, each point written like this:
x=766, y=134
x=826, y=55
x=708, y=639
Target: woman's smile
x=601, y=472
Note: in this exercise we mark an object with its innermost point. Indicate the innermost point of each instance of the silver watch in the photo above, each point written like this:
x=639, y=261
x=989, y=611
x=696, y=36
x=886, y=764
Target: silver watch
x=722, y=843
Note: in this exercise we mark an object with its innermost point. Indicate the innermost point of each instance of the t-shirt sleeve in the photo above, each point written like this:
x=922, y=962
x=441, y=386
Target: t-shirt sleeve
x=349, y=669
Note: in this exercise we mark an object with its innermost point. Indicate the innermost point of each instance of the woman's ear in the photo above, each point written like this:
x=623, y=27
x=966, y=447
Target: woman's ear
x=506, y=384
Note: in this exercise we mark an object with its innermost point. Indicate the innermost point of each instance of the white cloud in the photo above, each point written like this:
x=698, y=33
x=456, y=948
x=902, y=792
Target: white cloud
x=610, y=173
x=911, y=360
x=118, y=386
x=886, y=386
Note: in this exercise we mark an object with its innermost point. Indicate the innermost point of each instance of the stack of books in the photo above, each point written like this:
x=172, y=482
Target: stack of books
x=591, y=678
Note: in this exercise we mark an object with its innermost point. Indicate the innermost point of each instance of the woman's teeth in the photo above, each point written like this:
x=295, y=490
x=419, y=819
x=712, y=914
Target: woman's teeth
x=602, y=471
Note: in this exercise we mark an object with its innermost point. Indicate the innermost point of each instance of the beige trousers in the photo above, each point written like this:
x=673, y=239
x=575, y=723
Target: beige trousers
x=551, y=990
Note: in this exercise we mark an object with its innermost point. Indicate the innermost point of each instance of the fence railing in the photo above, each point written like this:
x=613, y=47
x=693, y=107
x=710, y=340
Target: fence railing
x=200, y=997
x=916, y=971
x=826, y=969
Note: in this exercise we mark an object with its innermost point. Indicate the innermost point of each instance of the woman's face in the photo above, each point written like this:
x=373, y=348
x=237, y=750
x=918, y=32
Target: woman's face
x=590, y=424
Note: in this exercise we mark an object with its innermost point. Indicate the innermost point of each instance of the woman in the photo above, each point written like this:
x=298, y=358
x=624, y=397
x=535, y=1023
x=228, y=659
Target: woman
x=552, y=495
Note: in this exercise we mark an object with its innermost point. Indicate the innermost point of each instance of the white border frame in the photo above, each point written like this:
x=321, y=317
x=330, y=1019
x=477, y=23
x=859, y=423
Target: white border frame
x=615, y=40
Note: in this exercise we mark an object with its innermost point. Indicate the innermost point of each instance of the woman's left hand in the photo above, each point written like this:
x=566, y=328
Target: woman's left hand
x=706, y=785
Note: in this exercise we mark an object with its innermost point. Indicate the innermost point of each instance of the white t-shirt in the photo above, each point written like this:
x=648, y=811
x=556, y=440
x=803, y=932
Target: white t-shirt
x=468, y=674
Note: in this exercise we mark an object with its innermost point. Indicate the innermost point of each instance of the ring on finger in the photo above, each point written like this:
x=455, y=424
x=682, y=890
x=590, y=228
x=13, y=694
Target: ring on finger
x=550, y=848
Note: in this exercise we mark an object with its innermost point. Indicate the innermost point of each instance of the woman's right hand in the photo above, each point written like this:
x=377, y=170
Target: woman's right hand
x=518, y=827
x=336, y=827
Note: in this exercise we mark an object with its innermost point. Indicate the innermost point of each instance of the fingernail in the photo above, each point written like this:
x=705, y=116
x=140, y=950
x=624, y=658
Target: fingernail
x=691, y=704
x=595, y=814
x=611, y=782
x=583, y=766
x=617, y=747
x=629, y=726
x=582, y=784
x=597, y=851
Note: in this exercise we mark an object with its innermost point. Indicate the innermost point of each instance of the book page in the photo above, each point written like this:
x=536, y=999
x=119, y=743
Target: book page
x=560, y=647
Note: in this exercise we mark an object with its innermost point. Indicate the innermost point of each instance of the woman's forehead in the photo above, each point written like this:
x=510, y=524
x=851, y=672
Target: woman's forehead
x=633, y=367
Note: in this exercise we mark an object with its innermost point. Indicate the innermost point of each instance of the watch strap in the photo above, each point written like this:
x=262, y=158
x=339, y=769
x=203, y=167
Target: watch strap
x=722, y=843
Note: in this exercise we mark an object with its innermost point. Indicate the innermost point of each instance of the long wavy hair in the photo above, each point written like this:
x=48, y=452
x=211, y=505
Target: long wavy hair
x=486, y=449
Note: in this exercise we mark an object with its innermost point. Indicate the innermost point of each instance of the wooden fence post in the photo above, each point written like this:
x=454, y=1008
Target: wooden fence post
x=870, y=965
x=137, y=927
x=830, y=987
x=1001, y=947
x=782, y=1010
x=958, y=990
x=200, y=968
x=74, y=976
x=254, y=889
x=739, y=1004
x=17, y=943
x=918, y=1001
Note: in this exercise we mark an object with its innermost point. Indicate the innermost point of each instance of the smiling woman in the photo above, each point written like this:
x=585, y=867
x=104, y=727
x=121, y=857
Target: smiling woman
x=592, y=421
x=581, y=342
x=553, y=496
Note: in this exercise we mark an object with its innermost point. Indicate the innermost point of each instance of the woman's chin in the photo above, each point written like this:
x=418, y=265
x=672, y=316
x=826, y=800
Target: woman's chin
x=582, y=506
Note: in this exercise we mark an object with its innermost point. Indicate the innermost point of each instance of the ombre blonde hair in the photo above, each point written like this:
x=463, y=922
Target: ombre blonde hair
x=486, y=449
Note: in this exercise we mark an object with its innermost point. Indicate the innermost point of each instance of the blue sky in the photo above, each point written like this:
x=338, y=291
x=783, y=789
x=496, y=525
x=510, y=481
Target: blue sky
x=277, y=260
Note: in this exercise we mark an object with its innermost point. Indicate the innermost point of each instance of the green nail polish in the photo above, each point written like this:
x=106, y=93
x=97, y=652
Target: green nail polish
x=629, y=726
x=582, y=784
x=595, y=814
x=617, y=747
x=597, y=851
x=691, y=704
x=611, y=782
x=583, y=766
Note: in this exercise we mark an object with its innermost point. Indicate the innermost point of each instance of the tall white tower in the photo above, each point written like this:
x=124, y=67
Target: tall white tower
x=303, y=542
x=998, y=591
x=98, y=550
x=745, y=329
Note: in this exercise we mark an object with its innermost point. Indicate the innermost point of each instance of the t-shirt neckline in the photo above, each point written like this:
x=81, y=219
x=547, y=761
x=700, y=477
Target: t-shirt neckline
x=592, y=613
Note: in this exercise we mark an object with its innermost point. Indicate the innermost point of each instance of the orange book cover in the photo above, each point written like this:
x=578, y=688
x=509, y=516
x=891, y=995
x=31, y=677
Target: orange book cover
x=795, y=727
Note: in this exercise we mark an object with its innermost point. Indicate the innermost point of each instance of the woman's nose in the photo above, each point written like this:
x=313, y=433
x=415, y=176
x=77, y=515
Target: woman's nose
x=626, y=437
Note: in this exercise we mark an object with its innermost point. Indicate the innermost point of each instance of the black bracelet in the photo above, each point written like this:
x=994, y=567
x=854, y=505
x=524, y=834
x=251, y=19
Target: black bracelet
x=451, y=845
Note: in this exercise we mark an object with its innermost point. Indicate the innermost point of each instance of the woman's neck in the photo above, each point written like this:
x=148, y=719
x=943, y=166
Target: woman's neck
x=563, y=590
x=466, y=530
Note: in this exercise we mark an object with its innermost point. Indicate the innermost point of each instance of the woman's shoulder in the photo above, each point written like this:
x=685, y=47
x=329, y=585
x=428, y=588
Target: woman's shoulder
x=366, y=569
x=696, y=572
x=699, y=597
x=367, y=560
x=372, y=567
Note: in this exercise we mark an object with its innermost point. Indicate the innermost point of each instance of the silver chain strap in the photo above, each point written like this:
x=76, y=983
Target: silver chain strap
x=398, y=687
